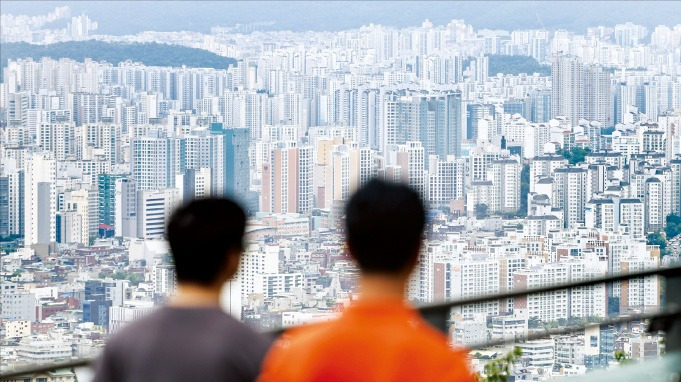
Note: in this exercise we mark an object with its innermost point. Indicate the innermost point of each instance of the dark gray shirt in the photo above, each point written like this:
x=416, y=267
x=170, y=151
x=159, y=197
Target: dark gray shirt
x=177, y=344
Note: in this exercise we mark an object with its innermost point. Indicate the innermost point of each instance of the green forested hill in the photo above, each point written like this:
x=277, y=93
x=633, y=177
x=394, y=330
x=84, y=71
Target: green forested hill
x=513, y=65
x=150, y=54
x=516, y=65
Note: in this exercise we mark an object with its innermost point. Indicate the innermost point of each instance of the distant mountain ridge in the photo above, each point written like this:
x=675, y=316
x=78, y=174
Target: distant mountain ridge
x=149, y=54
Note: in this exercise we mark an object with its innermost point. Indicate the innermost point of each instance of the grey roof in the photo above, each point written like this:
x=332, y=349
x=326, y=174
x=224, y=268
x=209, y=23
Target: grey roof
x=542, y=217
x=549, y=157
x=571, y=169
x=600, y=201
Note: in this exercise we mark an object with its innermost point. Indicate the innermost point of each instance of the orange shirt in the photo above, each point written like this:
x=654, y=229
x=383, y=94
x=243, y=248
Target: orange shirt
x=384, y=341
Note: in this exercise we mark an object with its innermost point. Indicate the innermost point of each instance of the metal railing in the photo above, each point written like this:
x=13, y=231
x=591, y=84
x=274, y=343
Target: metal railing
x=439, y=315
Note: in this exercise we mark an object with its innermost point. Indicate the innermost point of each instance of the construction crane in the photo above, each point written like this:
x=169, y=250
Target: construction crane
x=540, y=22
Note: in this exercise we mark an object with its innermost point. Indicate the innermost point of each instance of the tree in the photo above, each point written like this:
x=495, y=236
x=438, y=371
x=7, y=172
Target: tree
x=613, y=306
x=524, y=188
x=533, y=322
x=657, y=238
x=594, y=319
x=607, y=130
x=621, y=357
x=499, y=370
x=673, y=226
x=136, y=278
x=481, y=210
x=575, y=155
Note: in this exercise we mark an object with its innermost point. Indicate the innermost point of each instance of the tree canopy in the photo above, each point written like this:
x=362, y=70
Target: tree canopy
x=504, y=64
x=481, y=210
x=575, y=155
x=150, y=54
x=673, y=226
x=657, y=238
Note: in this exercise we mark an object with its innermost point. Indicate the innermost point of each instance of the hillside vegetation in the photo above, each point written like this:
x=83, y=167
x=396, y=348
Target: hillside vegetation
x=150, y=54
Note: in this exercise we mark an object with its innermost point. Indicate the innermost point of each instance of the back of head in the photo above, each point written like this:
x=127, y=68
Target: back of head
x=384, y=223
x=202, y=235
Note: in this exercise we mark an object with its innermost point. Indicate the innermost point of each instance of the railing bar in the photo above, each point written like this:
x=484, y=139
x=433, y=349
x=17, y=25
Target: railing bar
x=47, y=368
x=579, y=328
x=665, y=272
x=530, y=337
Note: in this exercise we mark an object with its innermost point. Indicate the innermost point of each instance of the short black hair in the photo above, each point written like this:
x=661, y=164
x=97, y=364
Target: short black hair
x=384, y=223
x=202, y=234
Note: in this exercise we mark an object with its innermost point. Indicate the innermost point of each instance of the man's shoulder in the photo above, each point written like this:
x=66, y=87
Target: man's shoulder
x=168, y=320
x=135, y=331
x=305, y=335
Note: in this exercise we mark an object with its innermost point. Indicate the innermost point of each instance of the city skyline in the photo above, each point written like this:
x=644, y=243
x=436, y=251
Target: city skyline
x=121, y=17
x=542, y=155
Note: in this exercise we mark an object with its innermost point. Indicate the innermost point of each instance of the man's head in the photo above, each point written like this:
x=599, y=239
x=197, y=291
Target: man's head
x=384, y=223
x=206, y=241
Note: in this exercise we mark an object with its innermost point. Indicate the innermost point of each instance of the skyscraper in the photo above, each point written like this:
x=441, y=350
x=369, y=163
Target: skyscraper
x=567, y=87
x=236, y=176
x=287, y=180
x=505, y=177
x=40, y=199
x=153, y=211
x=572, y=190
x=625, y=99
x=151, y=161
x=106, y=184
x=432, y=119
x=11, y=198
x=125, y=207
x=540, y=106
x=598, y=97
x=474, y=113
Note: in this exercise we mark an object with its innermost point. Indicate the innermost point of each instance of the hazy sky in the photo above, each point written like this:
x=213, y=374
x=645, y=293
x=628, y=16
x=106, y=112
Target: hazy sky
x=123, y=17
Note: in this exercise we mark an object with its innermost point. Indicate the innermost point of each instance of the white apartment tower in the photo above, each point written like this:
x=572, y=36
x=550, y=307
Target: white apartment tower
x=150, y=161
x=40, y=199
x=125, y=205
x=598, y=97
x=153, y=211
x=571, y=193
x=505, y=177
x=567, y=87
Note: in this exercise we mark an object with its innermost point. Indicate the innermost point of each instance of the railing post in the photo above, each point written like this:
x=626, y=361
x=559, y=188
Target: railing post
x=673, y=302
x=438, y=316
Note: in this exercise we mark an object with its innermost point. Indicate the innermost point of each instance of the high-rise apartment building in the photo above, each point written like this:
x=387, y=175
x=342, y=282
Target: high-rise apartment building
x=11, y=198
x=153, y=211
x=151, y=161
x=106, y=184
x=571, y=193
x=434, y=120
x=567, y=87
x=287, y=179
x=445, y=181
x=125, y=207
x=236, y=174
x=505, y=177
x=40, y=199
x=598, y=96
